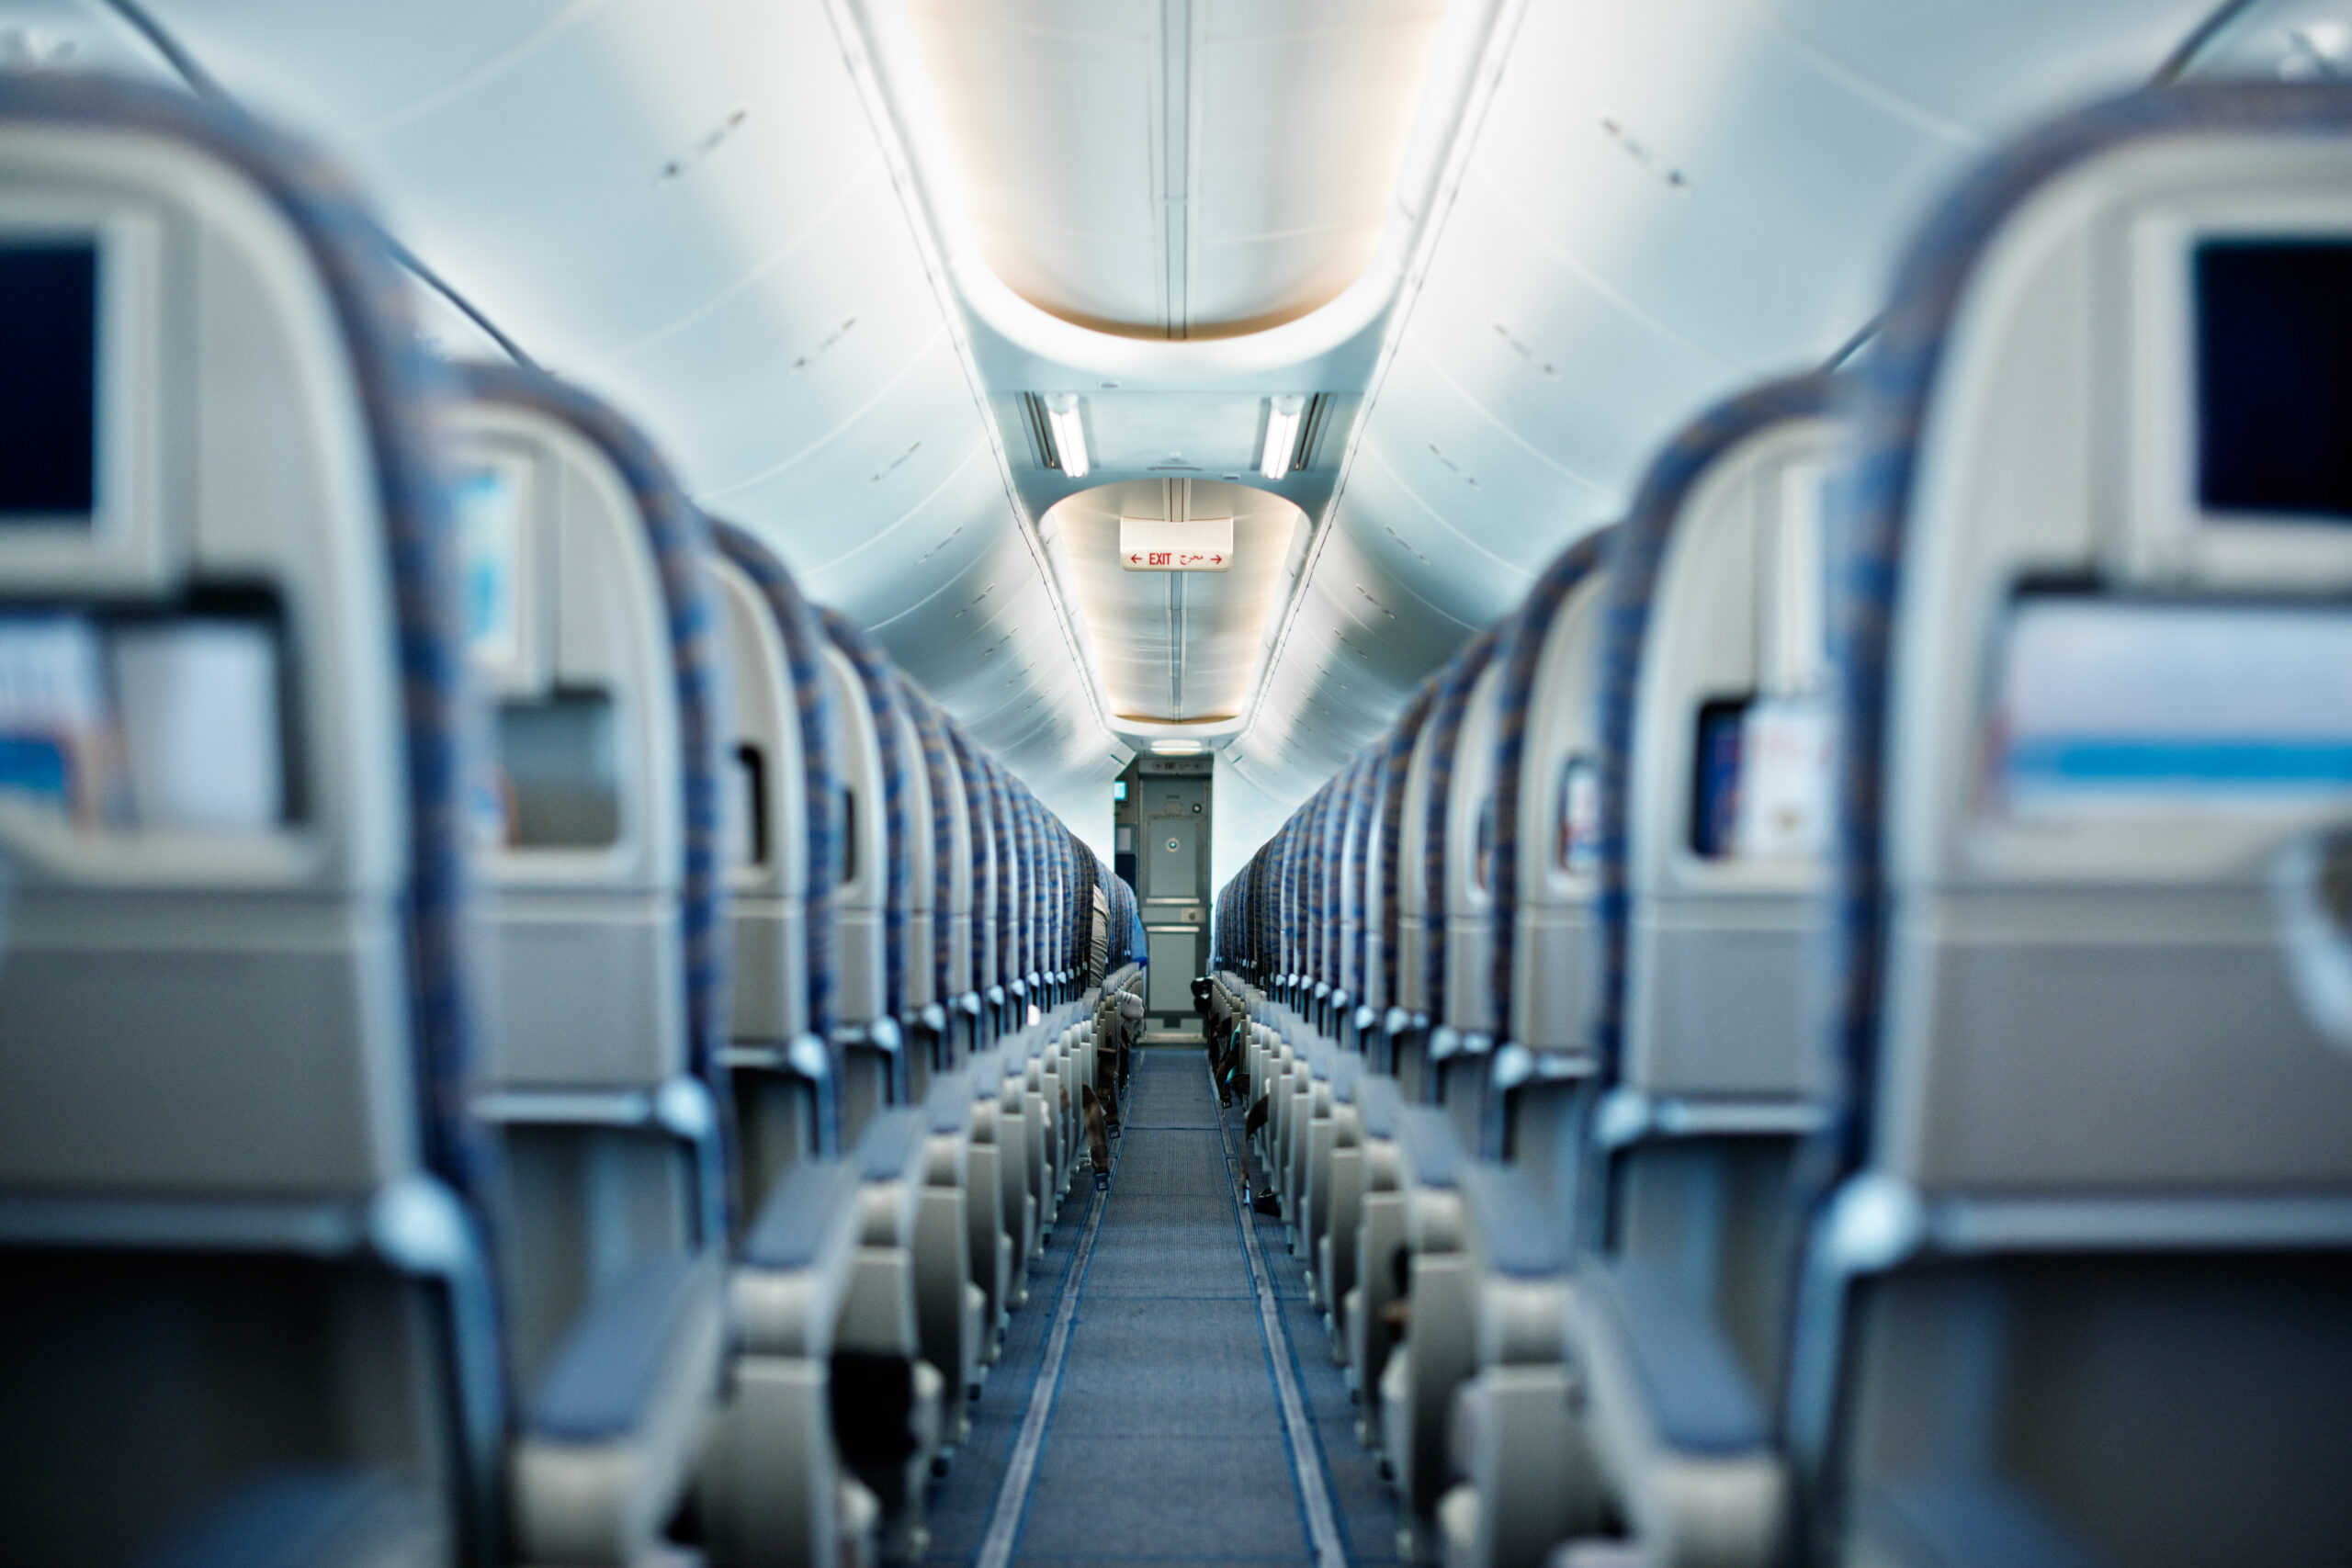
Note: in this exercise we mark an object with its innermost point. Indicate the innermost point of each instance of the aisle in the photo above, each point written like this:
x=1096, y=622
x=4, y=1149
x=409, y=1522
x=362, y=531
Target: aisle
x=1161, y=1437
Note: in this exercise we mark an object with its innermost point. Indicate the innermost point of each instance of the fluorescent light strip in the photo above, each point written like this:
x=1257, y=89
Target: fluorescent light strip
x=1070, y=435
x=1283, y=415
x=1175, y=748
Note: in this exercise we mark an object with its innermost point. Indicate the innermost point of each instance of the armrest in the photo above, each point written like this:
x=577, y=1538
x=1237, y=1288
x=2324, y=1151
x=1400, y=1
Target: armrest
x=1679, y=1427
x=1434, y=1152
x=1510, y=1225
x=309, y=1518
x=1947, y=1522
x=788, y=1285
x=615, y=1424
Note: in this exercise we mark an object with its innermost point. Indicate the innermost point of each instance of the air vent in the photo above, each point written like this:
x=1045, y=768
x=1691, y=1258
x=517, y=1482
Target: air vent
x=1309, y=450
x=1041, y=439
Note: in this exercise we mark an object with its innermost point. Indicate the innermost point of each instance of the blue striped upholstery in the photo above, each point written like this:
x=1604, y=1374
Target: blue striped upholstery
x=987, y=921
x=803, y=639
x=938, y=774
x=1364, y=809
x=1522, y=653
x=1635, y=551
x=1380, y=990
x=1025, y=854
x=1869, y=519
x=1011, y=881
x=681, y=540
x=874, y=673
x=1446, y=708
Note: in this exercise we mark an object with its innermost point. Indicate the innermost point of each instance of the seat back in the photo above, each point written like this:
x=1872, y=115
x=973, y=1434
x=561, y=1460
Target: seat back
x=1540, y=1082
x=237, y=1030
x=981, y=828
x=1552, y=829
x=607, y=906
x=1713, y=786
x=1713, y=764
x=873, y=890
x=1439, y=802
x=2096, y=1252
x=1411, y=954
x=1383, y=914
x=924, y=818
x=952, y=848
x=783, y=866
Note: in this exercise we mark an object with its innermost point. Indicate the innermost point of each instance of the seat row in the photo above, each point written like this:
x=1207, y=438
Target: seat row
x=521, y=1038
x=1822, y=1036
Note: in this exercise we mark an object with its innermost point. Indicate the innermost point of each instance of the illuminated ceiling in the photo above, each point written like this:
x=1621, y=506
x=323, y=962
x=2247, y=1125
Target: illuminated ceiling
x=1177, y=648
x=1177, y=168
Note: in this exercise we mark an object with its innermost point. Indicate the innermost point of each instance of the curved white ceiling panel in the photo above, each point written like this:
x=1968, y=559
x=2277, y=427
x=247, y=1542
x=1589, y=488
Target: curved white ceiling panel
x=1994, y=65
x=1175, y=646
x=885, y=464
x=898, y=563
x=1565, y=365
x=1703, y=167
x=1665, y=199
x=1198, y=168
x=690, y=210
x=773, y=374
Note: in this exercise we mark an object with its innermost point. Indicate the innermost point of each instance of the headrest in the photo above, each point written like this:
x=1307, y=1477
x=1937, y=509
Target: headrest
x=1131, y=1006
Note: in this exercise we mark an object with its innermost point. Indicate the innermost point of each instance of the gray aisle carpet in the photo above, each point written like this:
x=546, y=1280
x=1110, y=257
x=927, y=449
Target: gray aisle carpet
x=1165, y=1440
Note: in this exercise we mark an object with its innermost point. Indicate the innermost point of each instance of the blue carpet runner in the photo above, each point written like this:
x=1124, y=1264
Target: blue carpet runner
x=1165, y=1441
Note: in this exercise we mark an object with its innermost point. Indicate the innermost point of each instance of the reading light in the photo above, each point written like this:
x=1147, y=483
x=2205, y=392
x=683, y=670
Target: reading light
x=1282, y=434
x=1070, y=435
x=1175, y=748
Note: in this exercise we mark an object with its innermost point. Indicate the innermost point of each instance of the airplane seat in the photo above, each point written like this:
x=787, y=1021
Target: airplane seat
x=1524, y=1482
x=1514, y=1434
x=870, y=905
x=922, y=1020
x=1416, y=1388
x=608, y=930
x=788, y=860
x=995, y=1238
x=1455, y=1060
x=886, y=1397
x=950, y=1304
x=775, y=1489
x=243, y=1205
x=1335, y=1253
x=987, y=996
x=2082, y=1281
x=1713, y=815
x=1308, y=1100
x=1545, y=780
x=954, y=853
x=1017, y=1163
x=1380, y=1249
x=1404, y=799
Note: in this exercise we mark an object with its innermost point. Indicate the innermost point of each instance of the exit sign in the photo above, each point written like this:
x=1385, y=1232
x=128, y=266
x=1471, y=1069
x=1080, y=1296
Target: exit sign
x=1151, y=544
